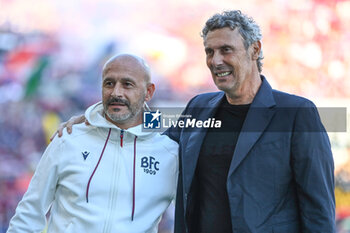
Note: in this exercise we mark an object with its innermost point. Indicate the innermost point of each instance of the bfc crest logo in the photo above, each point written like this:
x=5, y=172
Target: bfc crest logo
x=150, y=165
x=152, y=120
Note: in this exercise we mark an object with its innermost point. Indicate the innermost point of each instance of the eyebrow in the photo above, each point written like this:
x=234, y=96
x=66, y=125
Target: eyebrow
x=126, y=79
x=227, y=45
x=108, y=79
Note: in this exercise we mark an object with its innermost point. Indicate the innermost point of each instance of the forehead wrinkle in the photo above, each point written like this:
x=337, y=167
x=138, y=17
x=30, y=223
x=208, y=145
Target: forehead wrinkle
x=131, y=61
x=227, y=38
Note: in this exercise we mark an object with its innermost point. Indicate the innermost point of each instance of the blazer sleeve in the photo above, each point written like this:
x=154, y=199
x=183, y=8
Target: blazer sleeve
x=313, y=168
x=31, y=211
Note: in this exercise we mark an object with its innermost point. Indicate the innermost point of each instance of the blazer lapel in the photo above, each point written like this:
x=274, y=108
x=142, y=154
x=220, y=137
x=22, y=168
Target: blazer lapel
x=258, y=117
x=195, y=140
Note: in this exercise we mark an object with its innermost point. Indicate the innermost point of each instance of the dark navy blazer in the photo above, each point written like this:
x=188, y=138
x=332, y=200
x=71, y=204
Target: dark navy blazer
x=281, y=178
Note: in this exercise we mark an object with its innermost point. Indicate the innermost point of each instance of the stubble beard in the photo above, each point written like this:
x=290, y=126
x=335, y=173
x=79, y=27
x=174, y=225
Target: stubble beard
x=133, y=111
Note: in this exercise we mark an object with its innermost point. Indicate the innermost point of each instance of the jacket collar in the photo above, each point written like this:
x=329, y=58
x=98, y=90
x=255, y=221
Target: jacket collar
x=258, y=117
x=95, y=116
x=264, y=96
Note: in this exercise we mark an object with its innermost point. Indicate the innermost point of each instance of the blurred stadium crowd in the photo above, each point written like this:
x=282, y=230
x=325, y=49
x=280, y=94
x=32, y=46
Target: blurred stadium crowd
x=49, y=73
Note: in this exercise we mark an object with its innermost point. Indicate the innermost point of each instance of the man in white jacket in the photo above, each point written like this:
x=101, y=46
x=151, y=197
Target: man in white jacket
x=109, y=176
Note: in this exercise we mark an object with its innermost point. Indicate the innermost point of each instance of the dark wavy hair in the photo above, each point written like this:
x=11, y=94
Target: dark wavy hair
x=249, y=30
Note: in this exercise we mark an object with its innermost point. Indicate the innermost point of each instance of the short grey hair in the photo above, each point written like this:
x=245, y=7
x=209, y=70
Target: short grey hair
x=248, y=28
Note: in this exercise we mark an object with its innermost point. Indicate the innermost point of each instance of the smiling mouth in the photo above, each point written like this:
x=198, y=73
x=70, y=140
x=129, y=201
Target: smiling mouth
x=223, y=74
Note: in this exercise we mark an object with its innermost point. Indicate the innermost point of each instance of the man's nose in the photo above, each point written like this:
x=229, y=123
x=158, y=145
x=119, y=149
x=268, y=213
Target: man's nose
x=217, y=59
x=118, y=91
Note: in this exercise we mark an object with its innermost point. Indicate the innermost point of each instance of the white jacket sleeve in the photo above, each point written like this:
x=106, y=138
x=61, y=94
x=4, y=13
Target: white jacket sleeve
x=31, y=211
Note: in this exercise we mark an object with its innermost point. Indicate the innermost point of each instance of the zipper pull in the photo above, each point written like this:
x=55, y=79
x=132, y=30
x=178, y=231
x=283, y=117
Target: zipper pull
x=121, y=137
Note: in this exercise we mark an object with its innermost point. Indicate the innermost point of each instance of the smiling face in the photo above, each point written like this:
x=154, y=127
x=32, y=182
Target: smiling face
x=125, y=88
x=233, y=67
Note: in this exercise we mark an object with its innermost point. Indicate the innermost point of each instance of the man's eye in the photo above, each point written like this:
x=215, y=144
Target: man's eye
x=128, y=84
x=226, y=49
x=108, y=84
x=208, y=52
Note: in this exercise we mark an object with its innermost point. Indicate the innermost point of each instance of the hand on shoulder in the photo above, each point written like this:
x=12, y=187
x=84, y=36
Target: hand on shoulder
x=69, y=125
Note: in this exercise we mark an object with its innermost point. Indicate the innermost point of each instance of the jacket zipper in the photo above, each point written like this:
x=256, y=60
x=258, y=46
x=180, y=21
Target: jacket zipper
x=133, y=182
x=114, y=191
x=121, y=137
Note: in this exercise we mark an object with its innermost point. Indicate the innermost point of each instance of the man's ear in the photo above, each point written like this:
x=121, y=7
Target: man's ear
x=150, y=91
x=256, y=47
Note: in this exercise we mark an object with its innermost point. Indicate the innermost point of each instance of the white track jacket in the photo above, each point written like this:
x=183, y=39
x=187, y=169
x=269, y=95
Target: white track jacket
x=100, y=179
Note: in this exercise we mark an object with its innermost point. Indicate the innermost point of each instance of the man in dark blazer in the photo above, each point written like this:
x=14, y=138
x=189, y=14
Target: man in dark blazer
x=269, y=167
